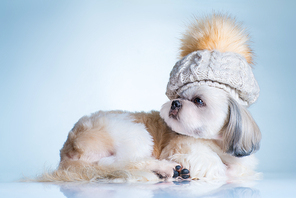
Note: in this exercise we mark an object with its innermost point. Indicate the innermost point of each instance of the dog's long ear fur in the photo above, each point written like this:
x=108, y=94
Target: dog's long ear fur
x=241, y=135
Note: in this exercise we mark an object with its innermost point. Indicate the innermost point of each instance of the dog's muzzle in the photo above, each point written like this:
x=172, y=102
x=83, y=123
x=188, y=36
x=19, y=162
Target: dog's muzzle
x=175, y=107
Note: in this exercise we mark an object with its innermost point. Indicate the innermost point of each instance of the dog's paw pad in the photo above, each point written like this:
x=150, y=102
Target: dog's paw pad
x=180, y=172
x=185, y=173
x=176, y=173
x=178, y=168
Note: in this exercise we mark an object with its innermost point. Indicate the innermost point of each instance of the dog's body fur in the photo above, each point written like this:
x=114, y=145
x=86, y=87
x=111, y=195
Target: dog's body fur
x=119, y=139
x=209, y=133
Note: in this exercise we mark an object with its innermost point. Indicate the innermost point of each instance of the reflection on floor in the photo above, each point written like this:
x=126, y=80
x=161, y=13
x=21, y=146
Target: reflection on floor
x=162, y=189
x=270, y=186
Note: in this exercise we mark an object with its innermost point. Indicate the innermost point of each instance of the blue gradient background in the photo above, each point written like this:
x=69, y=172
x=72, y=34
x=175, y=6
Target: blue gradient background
x=60, y=60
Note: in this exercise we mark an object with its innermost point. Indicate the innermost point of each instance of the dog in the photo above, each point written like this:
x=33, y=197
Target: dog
x=205, y=127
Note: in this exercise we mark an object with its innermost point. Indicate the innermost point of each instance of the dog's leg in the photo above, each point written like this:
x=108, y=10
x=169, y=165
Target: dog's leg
x=197, y=156
x=86, y=147
x=163, y=168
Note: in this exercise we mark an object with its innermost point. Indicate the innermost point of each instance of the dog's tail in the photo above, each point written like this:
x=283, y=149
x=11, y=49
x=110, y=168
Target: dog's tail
x=216, y=32
x=91, y=173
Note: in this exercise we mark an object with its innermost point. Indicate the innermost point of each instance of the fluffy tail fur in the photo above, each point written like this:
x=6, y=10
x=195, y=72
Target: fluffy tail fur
x=219, y=32
x=91, y=173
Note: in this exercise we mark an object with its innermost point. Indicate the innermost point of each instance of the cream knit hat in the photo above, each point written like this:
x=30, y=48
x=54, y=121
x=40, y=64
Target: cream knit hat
x=216, y=54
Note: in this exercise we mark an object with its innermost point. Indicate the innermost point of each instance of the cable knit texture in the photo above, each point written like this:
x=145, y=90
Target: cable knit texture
x=226, y=70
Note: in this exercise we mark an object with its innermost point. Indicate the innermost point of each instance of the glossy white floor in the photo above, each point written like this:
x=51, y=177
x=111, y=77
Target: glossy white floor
x=273, y=185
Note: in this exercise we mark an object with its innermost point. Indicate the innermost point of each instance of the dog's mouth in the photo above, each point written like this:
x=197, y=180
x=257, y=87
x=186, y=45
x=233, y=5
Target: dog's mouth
x=174, y=114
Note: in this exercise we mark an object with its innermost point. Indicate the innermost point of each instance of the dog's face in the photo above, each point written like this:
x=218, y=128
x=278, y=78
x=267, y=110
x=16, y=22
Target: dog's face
x=210, y=113
x=199, y=112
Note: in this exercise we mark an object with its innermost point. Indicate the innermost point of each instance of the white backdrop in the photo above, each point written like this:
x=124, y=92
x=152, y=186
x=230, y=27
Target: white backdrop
x=62, y=60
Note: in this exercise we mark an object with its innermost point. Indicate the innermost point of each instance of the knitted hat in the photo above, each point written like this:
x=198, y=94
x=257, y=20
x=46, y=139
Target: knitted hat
x=215, y=53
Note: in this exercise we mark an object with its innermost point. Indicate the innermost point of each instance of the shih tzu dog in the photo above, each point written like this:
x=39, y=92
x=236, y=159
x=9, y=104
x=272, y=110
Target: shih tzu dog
x=205, y=127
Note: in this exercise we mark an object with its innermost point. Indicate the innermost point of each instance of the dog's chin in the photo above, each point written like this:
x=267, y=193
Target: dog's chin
x=177, y=124
x=180, y=128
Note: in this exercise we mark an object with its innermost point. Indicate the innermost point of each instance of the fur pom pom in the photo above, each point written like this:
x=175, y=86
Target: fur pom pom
x=219, y=32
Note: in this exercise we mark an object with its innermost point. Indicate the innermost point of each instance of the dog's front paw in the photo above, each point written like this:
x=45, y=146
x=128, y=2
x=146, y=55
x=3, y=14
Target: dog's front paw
x=177, y=172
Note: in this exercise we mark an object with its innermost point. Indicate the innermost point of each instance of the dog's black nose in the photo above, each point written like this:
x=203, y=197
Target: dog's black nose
x=176, y=104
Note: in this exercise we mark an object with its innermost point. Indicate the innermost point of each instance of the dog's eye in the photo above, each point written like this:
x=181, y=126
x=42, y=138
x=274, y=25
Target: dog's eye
x=198, y=102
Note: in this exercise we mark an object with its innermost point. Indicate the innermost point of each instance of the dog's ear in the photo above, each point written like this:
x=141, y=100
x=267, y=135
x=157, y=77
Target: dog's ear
x=241, y=135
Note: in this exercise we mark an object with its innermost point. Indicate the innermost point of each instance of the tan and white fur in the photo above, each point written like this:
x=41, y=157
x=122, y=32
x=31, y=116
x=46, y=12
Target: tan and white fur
x=207, y=132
